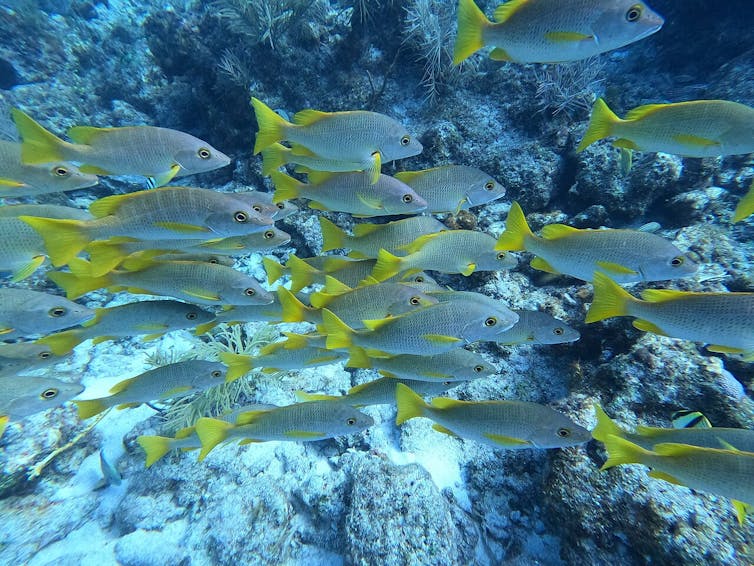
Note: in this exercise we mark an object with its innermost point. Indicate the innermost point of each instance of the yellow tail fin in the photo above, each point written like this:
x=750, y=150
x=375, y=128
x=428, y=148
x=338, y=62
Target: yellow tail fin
x=238, y=365
x=339, y=334
x=610, y=299
x=75, y=285
x=387, y=265
x=600, y=124
x=302, y=274
x=155, y=447
x=271, y=126
x=745, y=206
x=293, y=309
x=39, y=145
x=90, y=408
x=605, y=426
x=516, y=230
x=274, y=157
x=286, y=187
x=273, y=268
x=410, y=404
x=359, y=359
x=621, y=451
x=211, y=432
x=471, y=24
x=305, y=397
x=63, y=239
x=105, y=256
x=333, y=237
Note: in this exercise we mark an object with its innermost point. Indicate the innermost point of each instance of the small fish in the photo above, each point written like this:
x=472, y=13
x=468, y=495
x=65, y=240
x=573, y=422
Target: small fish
x=21, y=397
x=27, y=355
x=19, y=180
x=277, y=210
x=536, y=327
x=501, y=424
x=351, y=192
x=427, y=331
x=298, y=351
x=725, y=321
x=380, y=391
x=315, y=420
x=552, y=31
x=452, y=188
x=177, y=213
x=699, y=128
x=745, y=206
x=191, y=281
x=452, y=251
x=150, y=318
x=110, y=474
x=159, y=153
x=721, y=472
x=369, y=239
x=628, y=256
x=171, y=381
x=24, y=313
x=368, y=139
x=456, y=365
x=689, y=419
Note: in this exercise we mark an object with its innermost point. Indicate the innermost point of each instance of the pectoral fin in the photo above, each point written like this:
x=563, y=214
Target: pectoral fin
x=202, y=294
x=612, y=268
x=665, y=477
x=164, y=178
x=647, y=326
x=441, y=339
x=542, y=265
x=695, y=141
x=25, y=270
x=568, y=36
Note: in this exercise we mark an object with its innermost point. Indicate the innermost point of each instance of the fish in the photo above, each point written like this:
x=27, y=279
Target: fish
x=351, y=192
x=150, y=318
x=302, y=422
x=21, y=397
x=427, y=331
x=369, y=239
x=19, y=180
x=452, y=188
x=279, y=210
x=456, y=365
x=724, y=321
x=536, y=327
x=171, y=381
x=698, y=128
x=22, y=250
x=722, y=472
x=110, y=474
x=380, y=391
x=367, y=139
x=629, y=256
x=191, y=281
x=451, y=251
x=689, y=419
x=552, y=31
x=648, y=436
x=25, y=313
x=158, y=153
x=177, y=213
x=500, y=424
x=16, y=357
x=298, y=351
x=745, y=207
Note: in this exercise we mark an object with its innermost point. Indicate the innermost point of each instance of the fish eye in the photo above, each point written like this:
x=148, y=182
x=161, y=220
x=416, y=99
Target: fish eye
x=405, y=140
x=204, y=153
x=677, y=261
x=50, y=393
x=280, y=205
x=61, y=171
x=44, y=355
x=634, y=13
x=268, y=235
x=213, y=260
x=491, y=321
x=407, y=198
x=500, y=255
x=57, y=312
x=489, y=185
x=191, y=315
x=240, y=216
x=564, y=432
x=418, y=279
x=558, y=331
x=478, y=369
x=256, y=208
x=216, y=373
x=351, y=421
x=249, y=292
x=415, y=301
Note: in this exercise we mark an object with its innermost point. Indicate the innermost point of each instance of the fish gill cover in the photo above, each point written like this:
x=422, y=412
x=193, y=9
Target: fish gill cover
x=512, y=224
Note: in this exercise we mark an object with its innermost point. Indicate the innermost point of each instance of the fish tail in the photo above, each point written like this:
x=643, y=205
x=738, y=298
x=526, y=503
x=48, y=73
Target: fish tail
x=77, y=285
x=471, y=24
x=211, y=432
x=333, y=237
x=745, y=205
x=610, y=299
x=273, y=268
x=39, y=145
x=90, y=407
x=154, y=446
x=302, y=274
x=600, y=124
x=387, y=265
x=516, y=230
x=410, y=405
x=293, y=309
x=621, y=451
x=62, y=342
x=105, y=256
x=339, y=334
x=605, y=425
x=271, y=125
x=274, y=157
x=63, y=239
x=238, y=365
x=359, y=359
x=205, y=328
x=286, y=187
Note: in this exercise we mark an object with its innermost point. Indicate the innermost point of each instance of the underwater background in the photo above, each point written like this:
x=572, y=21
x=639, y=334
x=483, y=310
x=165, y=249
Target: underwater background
x=388, y=495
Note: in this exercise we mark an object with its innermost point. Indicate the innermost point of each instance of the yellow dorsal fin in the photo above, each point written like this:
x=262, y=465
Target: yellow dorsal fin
x=421, y=241
x=335, y=287
x=249, y=417
x=556, y=231
x=505, y=11
x=378, y=323
x=109, y=205
x=662, y=295
x=122, y=385
x=369, y=202
x=309, y=116
x=643, y=111
x=361, y=230
x=87, y=134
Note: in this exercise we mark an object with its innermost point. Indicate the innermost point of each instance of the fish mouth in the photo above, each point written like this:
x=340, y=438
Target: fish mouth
x=651, y=30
